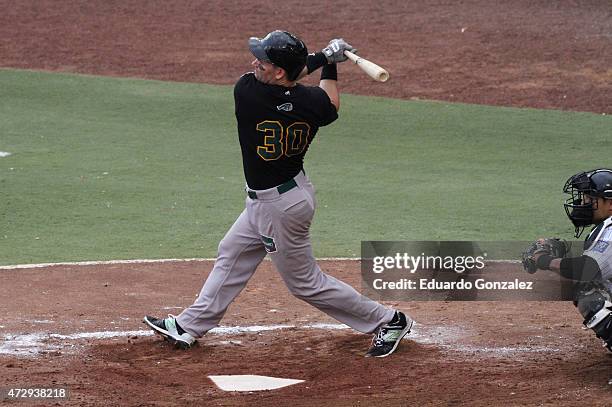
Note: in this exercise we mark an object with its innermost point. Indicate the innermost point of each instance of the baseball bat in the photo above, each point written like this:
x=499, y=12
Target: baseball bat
x=374, y=71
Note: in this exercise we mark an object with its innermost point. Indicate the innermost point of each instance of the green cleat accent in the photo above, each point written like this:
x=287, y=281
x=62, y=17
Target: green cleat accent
x=387, y=337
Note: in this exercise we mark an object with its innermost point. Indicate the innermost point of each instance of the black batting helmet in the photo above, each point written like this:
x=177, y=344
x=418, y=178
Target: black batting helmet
x=596, y=183
x=282, y=49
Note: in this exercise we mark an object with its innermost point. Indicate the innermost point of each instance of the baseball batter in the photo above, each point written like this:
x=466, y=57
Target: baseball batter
x=590, y=203
x=277, y=120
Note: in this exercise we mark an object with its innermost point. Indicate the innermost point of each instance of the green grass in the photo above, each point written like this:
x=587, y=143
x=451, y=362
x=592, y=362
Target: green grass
x=106, y=168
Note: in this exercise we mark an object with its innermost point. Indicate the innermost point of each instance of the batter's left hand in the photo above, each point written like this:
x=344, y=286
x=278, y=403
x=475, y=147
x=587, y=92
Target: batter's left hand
x=334, y=52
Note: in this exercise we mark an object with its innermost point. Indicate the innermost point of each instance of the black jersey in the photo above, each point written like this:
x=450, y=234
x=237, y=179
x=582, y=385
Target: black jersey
x=275, y=127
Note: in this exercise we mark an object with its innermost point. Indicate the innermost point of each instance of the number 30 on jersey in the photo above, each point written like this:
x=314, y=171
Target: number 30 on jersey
x=279, y=141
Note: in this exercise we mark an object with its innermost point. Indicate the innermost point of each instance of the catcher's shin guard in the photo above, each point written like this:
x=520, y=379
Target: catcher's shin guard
x=596, y=308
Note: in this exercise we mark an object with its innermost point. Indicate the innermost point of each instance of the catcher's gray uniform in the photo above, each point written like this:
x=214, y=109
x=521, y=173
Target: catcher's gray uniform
x=594, y=302
x=600, y=249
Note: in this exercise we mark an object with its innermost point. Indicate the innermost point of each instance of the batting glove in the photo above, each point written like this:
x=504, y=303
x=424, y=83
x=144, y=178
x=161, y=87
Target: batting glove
x=334, y=52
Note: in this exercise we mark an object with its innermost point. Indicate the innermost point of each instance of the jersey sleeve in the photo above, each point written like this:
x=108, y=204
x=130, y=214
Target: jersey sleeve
x=241, y=92
x=326, y=111
x=241, y=87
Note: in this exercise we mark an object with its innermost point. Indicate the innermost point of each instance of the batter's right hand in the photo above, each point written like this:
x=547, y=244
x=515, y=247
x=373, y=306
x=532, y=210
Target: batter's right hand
x=334, y=52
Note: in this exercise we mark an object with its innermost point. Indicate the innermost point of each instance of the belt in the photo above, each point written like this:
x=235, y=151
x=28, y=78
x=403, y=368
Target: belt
x=282, y=188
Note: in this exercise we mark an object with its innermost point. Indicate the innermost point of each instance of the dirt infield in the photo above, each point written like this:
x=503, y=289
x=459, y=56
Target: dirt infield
x=80, y=326
x=549, y=54
x=476, y=353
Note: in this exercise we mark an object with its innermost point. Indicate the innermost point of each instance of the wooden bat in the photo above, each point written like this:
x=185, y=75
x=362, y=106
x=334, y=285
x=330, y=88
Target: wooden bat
x=374, y=71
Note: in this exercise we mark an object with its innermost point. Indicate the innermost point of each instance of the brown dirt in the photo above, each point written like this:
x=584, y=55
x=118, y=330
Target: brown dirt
x=470, y=353
x=520, y=53
x=549, y=54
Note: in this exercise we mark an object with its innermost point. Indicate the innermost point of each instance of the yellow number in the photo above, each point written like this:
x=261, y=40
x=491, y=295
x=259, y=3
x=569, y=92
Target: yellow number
x=272, y=148
x=296, y=138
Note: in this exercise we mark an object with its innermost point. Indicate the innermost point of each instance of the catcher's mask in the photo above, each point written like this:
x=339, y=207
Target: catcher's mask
x=595, y=184
x=282, y=49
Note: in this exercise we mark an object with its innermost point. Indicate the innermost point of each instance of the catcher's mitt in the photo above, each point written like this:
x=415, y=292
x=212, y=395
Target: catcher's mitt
x=551, y=246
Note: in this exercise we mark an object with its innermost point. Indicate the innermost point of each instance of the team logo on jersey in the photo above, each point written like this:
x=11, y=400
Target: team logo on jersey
x=269, y=244
x=287, y=107
x=601, y=246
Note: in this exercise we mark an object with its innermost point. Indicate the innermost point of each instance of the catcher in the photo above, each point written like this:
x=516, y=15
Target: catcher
x=590, y=203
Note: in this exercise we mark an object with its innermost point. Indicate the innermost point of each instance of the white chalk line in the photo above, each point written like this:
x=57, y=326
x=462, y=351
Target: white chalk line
x=154, y=261
x=36, y=343
x=102, y=262
x=447, y=337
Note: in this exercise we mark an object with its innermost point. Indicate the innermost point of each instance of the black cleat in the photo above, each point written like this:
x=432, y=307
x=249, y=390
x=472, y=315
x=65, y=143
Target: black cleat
x=388, y=337
x=170, y=331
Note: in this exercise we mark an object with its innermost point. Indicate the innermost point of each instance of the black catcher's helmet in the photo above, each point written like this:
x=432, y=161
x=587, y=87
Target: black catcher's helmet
x=283, y=49
x=595, y=183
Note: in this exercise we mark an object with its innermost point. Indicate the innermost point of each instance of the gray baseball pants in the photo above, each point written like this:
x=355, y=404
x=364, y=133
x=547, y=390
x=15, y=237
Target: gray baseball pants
x=278, y=224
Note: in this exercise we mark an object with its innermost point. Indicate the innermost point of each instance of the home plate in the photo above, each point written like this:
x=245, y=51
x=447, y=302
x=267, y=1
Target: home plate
x=250, y=382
